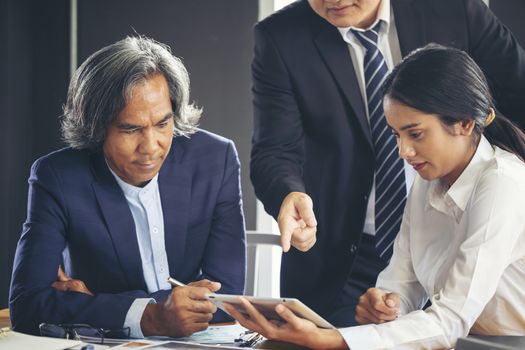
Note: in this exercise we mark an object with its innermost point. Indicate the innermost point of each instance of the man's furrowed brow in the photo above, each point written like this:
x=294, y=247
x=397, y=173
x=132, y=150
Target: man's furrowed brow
x=167, y=117
x=127, y=126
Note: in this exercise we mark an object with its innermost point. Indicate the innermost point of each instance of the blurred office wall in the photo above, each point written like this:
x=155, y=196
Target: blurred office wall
x=34, y=76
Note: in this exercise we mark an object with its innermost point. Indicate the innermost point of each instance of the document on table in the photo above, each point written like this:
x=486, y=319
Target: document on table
x=10, y=340
x=215, y=337
x=187, y=346
x=212, y=335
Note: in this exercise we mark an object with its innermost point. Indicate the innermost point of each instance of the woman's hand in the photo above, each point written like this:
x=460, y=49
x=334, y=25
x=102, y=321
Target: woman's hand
x=293, y=330
x=377, y=306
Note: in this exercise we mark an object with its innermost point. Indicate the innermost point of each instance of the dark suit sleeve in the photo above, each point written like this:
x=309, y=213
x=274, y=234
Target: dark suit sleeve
x=502, y=59
x=278, y=138
x=225, y=253
x=37, y=257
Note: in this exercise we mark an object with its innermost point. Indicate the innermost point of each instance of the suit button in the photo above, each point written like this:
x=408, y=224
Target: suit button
x=353, y=249
x=366, y=198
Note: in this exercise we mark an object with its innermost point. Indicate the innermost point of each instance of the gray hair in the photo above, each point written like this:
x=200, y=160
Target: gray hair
x=102, y=85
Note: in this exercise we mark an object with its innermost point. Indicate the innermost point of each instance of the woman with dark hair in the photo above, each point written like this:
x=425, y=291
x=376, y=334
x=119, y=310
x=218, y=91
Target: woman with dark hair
x=462, y=239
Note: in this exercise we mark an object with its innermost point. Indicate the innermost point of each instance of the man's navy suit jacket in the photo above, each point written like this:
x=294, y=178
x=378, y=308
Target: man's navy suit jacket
x=78, y=215
x=311, y=131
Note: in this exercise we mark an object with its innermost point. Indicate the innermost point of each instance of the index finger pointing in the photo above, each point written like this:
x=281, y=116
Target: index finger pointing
x=286, y=235
x=304, y=207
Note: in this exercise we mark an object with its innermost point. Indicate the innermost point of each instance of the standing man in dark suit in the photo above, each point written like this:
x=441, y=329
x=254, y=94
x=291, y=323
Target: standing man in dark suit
x=324, y=162
x=140, y=194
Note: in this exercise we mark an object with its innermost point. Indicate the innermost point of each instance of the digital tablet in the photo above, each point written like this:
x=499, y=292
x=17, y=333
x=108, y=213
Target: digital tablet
x=266, y=306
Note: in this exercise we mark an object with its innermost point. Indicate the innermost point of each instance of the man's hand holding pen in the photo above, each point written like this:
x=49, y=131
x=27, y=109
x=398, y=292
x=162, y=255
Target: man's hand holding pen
x=184, y=312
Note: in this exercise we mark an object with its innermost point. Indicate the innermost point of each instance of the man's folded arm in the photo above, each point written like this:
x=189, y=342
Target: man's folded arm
x=33, y=306
x=33, y=300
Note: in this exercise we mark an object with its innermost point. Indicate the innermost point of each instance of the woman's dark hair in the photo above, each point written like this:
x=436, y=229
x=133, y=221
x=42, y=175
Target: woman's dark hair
x=103, y=84
x=447, y=82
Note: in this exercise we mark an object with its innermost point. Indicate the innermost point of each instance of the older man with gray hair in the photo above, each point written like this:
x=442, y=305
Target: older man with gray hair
x=139, y=195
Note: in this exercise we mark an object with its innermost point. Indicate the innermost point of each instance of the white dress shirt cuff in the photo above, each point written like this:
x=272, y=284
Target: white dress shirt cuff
x=417, y=330
x=134, y=316
x=363, y=337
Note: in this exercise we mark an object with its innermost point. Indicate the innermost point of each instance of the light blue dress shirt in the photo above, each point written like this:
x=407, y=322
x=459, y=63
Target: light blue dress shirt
x=146, y=209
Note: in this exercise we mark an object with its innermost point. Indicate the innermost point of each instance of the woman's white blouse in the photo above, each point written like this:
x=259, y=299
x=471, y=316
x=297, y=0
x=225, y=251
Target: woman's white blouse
x=465, y=249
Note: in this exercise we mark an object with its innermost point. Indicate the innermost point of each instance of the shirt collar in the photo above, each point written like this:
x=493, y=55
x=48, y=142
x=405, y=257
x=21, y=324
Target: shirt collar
x=383, y=14
x=134, y=191
x=453, y=201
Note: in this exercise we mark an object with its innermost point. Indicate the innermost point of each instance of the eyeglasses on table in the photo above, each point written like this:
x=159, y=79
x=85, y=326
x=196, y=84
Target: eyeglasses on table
x=85, y=332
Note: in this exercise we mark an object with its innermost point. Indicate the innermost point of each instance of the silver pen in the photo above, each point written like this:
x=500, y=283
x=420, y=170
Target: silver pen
x=175, y=283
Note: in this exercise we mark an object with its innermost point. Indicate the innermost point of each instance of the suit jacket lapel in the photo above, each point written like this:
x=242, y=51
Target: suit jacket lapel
x=119, y=221
x=175, y=193
x=410, y=24
x=334, y=51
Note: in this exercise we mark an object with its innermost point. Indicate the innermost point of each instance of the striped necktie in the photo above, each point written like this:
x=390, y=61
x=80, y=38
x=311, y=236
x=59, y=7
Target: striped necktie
x=390, y=185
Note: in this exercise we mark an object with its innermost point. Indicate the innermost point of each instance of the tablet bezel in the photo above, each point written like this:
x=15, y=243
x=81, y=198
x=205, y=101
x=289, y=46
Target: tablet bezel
x=267, y=307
